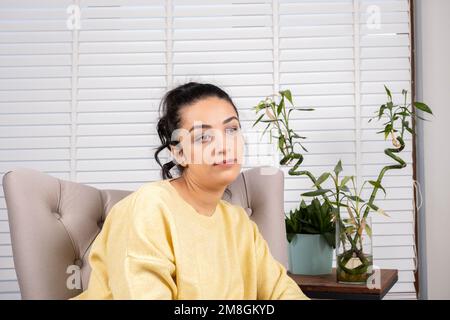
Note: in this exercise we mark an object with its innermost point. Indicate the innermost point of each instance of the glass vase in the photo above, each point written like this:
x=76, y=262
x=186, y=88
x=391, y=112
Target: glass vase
x=354, y=259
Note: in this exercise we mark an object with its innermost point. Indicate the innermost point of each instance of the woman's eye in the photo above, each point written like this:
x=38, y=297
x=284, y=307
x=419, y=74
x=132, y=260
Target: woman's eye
x=203, y=138
x=232, y=130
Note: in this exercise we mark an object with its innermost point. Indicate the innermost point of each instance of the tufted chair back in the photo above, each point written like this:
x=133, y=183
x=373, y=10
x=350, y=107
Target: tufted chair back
x=53, y=223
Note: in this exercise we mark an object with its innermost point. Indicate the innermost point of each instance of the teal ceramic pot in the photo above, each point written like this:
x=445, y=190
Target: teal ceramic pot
x=310, y=254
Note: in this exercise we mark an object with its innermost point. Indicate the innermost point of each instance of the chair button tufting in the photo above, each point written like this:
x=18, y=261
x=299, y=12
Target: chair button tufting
x=57, y=215
x=78, y=262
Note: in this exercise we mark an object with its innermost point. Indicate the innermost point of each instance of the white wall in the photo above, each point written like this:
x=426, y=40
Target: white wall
x=433, y=87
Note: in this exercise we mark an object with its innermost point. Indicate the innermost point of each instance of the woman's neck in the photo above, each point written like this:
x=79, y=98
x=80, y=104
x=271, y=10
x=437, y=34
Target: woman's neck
x=203, y=200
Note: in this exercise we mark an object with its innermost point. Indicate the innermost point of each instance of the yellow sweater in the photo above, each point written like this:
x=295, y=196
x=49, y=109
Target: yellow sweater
x=155, y=245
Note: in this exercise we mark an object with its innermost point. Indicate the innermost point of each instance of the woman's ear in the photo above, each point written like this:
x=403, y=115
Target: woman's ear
x=177, y=155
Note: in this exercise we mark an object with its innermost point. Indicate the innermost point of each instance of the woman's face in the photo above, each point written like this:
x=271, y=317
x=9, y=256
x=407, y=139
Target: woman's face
x=210, y=134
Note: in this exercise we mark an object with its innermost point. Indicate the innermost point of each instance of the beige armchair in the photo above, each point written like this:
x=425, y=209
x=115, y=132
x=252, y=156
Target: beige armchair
x=53, y=223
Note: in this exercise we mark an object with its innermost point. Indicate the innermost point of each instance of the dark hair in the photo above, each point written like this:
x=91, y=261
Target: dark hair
x=170, y=119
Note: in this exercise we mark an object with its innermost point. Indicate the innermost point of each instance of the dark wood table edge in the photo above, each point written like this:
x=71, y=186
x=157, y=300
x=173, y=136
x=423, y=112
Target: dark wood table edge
x=316, y=293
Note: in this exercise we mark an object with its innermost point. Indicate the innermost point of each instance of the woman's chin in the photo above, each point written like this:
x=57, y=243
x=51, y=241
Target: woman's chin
x=226, y=176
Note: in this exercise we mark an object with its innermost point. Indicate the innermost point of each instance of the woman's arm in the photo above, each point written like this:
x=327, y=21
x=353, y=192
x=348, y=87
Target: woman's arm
x=132, y=257
x=149, y=263
x=133, y=277
x=273, y=281
x=145, y=278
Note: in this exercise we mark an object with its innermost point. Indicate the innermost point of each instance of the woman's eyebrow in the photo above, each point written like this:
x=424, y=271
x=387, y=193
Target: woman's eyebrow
x=229, y=119
x=200, y=126
x=209, y=126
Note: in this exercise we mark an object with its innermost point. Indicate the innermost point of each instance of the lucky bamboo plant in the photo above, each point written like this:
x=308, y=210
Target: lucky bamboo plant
x=353, y=263
x=397, y=124
x=312, y=219
x=341, y=196
x=277, y=117
x=351, y=229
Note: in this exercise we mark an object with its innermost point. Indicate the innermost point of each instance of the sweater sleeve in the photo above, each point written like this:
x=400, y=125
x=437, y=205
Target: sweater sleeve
x=273, y=282
x=148, y=267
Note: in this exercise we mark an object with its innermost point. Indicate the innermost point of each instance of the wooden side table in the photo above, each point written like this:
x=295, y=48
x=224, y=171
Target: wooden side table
x=326, y=286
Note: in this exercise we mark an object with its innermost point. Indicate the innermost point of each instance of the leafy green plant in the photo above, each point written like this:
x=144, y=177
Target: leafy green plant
x=315, y=218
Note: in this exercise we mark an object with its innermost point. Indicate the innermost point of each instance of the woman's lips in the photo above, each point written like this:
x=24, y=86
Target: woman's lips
x=228, y=162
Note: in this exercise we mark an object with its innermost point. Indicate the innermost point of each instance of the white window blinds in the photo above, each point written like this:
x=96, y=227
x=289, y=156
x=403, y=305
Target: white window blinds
x=121, y=65
x=35, y=102
x=82, y=103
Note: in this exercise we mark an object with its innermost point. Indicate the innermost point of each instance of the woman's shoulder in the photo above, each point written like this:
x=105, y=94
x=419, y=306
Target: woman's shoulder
x=149, y=190
x=148, y=199
x=154, y=190
x=139, y=219
x=142, y=214
x=152, y=195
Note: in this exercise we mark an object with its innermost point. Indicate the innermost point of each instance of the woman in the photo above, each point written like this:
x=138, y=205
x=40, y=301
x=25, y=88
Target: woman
x=176, y=238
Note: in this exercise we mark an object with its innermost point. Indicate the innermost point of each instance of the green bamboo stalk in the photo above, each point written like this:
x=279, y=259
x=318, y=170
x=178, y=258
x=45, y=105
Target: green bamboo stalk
x=390, y=152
